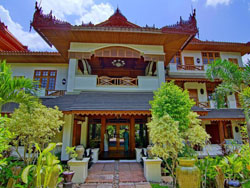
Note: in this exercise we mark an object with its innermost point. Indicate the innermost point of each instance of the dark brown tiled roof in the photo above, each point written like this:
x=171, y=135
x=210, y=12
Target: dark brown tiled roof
x=122, y=101
x=224, y=114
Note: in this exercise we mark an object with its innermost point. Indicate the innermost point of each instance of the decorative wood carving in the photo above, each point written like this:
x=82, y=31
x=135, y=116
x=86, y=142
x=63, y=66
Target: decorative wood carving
x=121, y=52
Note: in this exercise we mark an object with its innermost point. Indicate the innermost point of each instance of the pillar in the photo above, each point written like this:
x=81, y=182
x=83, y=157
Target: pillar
x=71, y=75
x=103, y=127
x=84, y=132
x=160, y=72
x=221, y=131
x=67, y=135
x=132, y=133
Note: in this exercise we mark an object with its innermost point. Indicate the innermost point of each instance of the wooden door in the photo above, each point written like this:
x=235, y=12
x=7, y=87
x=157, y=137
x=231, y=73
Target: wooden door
x=193, y=94
x=213, y=131
x=189, y=63
x=76, y=134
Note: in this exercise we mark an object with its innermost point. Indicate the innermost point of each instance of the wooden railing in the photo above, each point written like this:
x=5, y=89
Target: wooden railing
x=124, y=81
x=203, y=104
x=54, y=92
x=190, y=67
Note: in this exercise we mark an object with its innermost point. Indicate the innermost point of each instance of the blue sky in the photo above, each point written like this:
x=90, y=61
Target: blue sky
x=218, y=20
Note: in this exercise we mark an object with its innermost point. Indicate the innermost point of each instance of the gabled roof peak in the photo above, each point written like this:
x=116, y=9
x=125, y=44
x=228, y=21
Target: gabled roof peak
x=117, y=20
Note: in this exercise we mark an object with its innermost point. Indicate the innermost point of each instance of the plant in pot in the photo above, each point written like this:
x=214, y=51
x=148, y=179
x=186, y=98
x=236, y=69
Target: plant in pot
x=233, y=167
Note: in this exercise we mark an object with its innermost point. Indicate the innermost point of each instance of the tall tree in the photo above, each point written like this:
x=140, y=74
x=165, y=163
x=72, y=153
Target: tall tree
x=17, y=90
x=234, y=79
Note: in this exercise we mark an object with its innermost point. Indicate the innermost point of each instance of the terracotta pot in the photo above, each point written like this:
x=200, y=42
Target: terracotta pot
x=79, y=152
x=188, y=175
x=68, y=175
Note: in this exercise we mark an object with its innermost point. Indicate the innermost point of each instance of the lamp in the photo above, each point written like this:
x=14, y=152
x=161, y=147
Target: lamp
x=63, y=81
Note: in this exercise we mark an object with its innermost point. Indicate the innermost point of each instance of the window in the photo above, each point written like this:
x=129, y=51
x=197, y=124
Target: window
x=233, y=60
x=176, y=59
x=45, y=78
x=209, y=57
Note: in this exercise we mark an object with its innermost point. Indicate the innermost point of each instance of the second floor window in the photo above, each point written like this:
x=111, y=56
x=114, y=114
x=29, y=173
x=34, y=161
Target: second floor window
x=176, y=59
x=210, y=57
x=233, y=60
x=45, y=78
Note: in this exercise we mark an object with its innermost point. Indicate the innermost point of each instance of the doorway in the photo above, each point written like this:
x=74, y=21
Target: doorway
x=116, y=140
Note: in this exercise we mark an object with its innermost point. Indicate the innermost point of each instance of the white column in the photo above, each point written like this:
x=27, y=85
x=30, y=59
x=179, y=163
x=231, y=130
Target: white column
x=71, y=75
x=84, y=133
x=67, y=135
x=160, y=72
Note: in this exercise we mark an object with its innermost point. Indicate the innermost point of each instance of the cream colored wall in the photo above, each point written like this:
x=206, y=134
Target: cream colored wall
x=237, y=55
x=27, y=70
x=195, y=54
x=91, y=47
x=84, y=132
x=198, y=86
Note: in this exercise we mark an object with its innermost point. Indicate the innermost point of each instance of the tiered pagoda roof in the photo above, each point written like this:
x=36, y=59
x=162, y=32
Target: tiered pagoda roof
x=117, y=30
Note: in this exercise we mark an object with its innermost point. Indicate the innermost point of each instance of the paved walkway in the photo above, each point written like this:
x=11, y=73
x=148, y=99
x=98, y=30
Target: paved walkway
x=116, y=175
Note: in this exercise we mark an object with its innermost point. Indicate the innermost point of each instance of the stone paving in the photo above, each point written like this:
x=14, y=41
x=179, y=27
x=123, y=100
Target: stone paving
x=115, y=175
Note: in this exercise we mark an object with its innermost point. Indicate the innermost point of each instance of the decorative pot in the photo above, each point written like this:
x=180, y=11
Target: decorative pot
x=188, y=175
x=67, y=176
x=79, y=152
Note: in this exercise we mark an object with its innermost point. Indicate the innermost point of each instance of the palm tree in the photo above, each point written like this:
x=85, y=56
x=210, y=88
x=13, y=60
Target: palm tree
x=234, y=79
x=17, y=90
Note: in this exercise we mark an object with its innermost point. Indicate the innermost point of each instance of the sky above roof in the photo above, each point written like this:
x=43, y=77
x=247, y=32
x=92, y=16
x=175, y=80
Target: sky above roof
x=218, y=20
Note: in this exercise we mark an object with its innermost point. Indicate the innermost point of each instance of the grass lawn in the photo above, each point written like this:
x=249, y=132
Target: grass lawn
x=158, y=186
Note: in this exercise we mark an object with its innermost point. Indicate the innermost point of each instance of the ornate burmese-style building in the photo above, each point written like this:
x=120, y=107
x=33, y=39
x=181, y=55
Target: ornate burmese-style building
x=103, y=77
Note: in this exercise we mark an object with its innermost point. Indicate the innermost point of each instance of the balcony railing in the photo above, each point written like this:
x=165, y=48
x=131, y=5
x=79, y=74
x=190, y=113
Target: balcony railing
x=124, y=81
x=54, y=92
x=203, y=104
x=190, y=67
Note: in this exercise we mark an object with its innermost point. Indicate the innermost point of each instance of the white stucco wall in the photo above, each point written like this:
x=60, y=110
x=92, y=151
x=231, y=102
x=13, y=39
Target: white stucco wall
x=237, y=135
x=237, y=55
x=27, y=70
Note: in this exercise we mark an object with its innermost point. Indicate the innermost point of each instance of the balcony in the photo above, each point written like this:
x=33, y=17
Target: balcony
x=124, y=81
x=190, y=67
x=54, y=92
x=105, y=83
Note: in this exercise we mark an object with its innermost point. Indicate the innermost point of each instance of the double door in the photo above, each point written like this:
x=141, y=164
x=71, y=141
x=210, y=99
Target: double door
x=116, y=136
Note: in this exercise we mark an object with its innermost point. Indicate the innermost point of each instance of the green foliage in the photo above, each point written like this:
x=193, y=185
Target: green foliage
x=234, y=79
x=5, y=137
x=38, y=125
x=71, y=151
x=158, y=186
x=6, y=172
x=47, y=170
x=232, y=167
x=245, y=100
x=172, y=100
x=18, y=90
x=208, y=171
x=195, y=135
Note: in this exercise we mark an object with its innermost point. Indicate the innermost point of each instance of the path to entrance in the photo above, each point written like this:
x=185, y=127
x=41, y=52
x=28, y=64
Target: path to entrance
x=116, y=175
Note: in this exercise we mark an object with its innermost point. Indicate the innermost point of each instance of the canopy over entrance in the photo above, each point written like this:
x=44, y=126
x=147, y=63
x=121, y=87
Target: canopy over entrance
x=117, y=29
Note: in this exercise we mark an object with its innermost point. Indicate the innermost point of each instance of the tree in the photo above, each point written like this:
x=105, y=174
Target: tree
x=167, y=140
x=5, y=138
x=17, y=90
x=234, y=79
x=38, y=125
x=174, y=126
x=172, y=100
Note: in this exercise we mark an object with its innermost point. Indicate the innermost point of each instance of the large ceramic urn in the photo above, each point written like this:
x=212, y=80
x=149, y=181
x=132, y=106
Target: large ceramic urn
x=79, y=152
x=188, y=175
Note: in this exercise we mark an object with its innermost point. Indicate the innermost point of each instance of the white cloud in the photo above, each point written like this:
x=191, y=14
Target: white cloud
x=86, y=10
x=32, y=40
x=97, y=14
x=246, y=58
x=216, y=2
